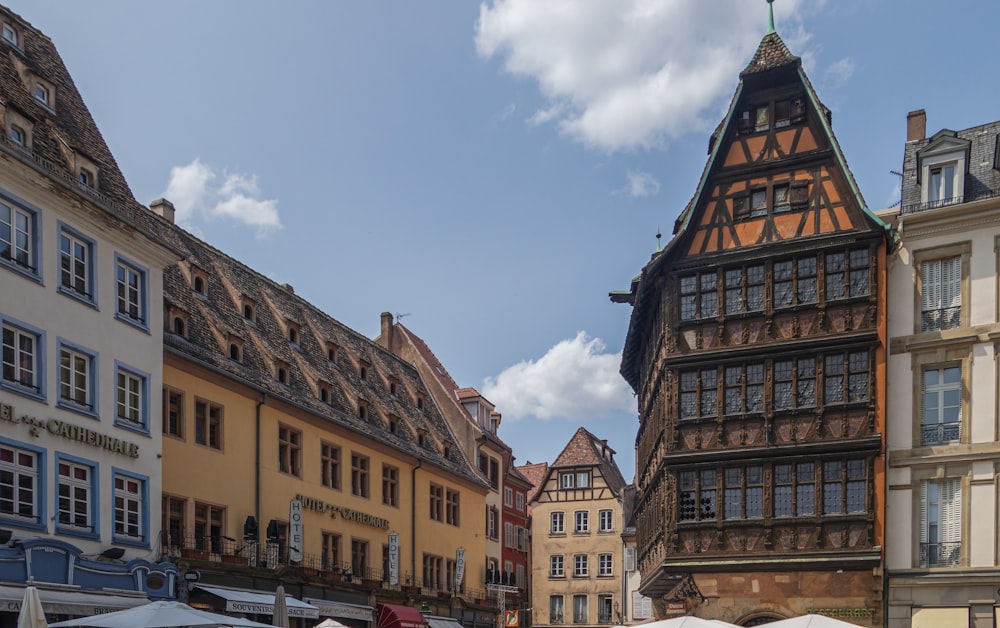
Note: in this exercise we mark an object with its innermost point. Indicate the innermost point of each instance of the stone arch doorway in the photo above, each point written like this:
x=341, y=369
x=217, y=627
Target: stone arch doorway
x=759, y=618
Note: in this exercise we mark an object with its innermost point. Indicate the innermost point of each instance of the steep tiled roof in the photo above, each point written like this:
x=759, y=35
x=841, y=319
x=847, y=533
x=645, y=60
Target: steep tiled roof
x=771, y=53
x=60, y=133
x=217, y=314
x=535, y=473
x=585, y=449
x=983, y=177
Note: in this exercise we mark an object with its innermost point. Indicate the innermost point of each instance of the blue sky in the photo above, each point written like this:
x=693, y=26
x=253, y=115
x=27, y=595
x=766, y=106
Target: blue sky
x=491, y=170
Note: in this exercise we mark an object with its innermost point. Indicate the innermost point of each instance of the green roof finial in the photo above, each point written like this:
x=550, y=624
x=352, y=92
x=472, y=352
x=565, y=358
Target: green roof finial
x=770, y=19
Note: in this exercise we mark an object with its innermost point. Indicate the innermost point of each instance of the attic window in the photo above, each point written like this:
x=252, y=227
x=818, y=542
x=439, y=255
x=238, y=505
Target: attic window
x=42, y=94
x=281, y=369
x=363, y=370
x=331, y=352
x=178, y=320
x=421, y=438
x=325, y=392
x=10, y=35
x=293, y=332
x=420, y=402
x=394, y=424
x=87, y=178
x=393, y=386
x=362, y=409
x=447, y=451
x=17, y=135
x=235, y=348
x=199, y=280
x=759, y=118
x=249, y=308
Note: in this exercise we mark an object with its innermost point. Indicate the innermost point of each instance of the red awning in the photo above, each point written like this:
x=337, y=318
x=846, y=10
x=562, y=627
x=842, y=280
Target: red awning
x=395, y=616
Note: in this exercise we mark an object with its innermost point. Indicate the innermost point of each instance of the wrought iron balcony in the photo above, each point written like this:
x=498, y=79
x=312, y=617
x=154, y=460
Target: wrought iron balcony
x=940, y=433
x=943, y=318
x=941, y=554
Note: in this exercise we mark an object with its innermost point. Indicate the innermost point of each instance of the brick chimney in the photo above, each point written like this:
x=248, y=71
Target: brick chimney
x=163, y=208
x=386, y=335
x=916, y=125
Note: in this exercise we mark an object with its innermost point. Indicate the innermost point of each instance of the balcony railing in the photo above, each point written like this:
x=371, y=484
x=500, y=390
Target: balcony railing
x=943, y=318
x=604, y=617
x=556, y=619
x=941, y=554
x=954, y=200
x=940, y=433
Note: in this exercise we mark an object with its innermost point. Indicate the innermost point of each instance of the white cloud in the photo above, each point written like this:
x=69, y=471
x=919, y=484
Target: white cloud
x=575, y=380
x=639, y=184
x=628, y=73
x=839, y=73
x=191, y=191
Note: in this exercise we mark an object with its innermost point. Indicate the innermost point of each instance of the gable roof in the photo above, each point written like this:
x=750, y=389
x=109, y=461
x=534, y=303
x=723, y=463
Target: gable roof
x=535, y=474
x=982, y=178
x=585, y=449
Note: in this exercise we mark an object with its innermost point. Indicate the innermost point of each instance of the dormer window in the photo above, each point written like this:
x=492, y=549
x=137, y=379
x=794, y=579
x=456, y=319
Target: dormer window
x=281, y=372
x=249, y=308
x=393, y=386
x=421, y=438
x=777, y=114
x=325, y=392
x=199, y=285
x=420, y=401
x=331, y=352
x=363, y=370
x=362, y=409
x=393, y=424
x=177, y=321
x=43, y=95
x=235, y=348
x=18, y=129
x=293, y=332
x=87, y=178
x=10, y=35
x=941, y=167
x=18, y=136
x=447, y=451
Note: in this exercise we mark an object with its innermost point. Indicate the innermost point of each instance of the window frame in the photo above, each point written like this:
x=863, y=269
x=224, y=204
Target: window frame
x=922, y=541
x=92, y=407
x=557, y=609
x=940, y=390
x=37, y=391
x=124, y=538
x=390, y=485
x=168, y=417
x=581, y=522
x=435, y=504
x=581, y=566
x=605, y=520
x=330, y=465
x=289, y=450
x=557, y=566
x=123, y=285
x=76, y=238
x=557, y=522
x=453, y=507
x=698, y=296
x=142, y=379
x=31, y=267
x=605, y=565
x=360, y=475
x=211, y=424
x=39, y=518
x=960, y=250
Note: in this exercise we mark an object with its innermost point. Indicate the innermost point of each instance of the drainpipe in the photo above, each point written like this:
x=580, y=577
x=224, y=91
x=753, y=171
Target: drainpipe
x=256, y=488
x=413, y=520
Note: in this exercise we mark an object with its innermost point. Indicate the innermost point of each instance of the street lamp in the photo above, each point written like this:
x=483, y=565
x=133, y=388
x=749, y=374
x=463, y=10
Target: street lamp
x=618, y=617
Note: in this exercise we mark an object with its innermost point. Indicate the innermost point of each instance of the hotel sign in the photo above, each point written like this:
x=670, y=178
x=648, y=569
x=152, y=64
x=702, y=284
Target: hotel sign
x=318, y=505
x=68, y=431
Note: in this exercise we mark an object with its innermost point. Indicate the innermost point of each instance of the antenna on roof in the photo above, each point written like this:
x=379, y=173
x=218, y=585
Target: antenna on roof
x=770, y=19
x=399, y=316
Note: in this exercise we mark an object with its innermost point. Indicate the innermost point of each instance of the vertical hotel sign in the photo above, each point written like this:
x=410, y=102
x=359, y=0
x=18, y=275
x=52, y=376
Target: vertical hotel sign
x=459, y=567
x=393, y=559
x=295, y=531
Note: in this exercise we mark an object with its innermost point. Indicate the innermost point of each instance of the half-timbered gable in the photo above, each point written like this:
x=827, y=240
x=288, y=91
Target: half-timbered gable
x=756, y=348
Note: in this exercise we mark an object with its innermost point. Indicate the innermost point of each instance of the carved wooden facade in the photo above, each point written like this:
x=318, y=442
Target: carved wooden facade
x=757, y=351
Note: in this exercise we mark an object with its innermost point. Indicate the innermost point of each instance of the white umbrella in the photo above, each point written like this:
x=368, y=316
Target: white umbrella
x=687, y=621
x=330, y=623
x=31, y=615
x=280, y=615
x=160, y=615
x=811, y=621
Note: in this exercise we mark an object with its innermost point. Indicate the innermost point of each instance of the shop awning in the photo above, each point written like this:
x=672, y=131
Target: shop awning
x=394, y=616
x=328, y=608
x=436, y=621
x=259, y=602
x=70, y=602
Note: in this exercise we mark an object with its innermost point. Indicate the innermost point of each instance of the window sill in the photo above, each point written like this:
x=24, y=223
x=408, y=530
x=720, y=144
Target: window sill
x=77, y=533
x=130, y=541
x=77, y=409
x=138, y=428
x=80, y=298
x=23, y=524
x=141, y=325
x=27, y=273
x=30, y=393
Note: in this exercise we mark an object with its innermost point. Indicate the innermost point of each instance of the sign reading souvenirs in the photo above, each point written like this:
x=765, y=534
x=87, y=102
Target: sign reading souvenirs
x=349, y=514
x=69, y=432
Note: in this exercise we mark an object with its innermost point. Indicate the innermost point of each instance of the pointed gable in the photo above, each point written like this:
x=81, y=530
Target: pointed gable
x=586, y=450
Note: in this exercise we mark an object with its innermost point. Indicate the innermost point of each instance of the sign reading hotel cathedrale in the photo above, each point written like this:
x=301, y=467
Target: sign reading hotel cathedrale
x=68, y=431
x=318, y=505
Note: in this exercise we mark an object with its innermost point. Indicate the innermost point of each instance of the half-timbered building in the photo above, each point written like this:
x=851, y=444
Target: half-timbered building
x=756, y=348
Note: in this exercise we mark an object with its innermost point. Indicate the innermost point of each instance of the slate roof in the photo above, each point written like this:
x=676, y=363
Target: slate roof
x=217, y=314
x=772, y=53
x=983, y=177
x=60, y=132
x=585, y=449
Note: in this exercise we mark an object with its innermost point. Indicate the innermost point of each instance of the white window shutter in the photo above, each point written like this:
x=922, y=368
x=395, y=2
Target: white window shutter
x=951, y=282
x=629, y=559
x=930, y=279
x=951, y=510
x=923, y=511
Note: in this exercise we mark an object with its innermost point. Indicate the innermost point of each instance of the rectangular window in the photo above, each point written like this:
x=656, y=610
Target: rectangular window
x=580, y=609
x=330, y=465
x=519, y=501
x=75, y=496
x=794, y=490
x=941, y=293
x=390, y=485
x=330, y=551
x=566, y=480
x=209, y=525
x=743, y=497
x=76, y=264
x=129, y=508
x=436, y=502
x=131, y=291
x=744, y=389
x=782, y=199
x=76, y=378
x=19, y=491
x=21, y=352
x=580, y=566
x=492, y=523
x=605, y=565
x=132, y=398
x=17, y=237
x=508, y=496
x=289, y=451
x=941, y=523
x=359, y=557
x=208, y=424
x=556, y=609
x=941, y=187
x=582, y=479
x=699, y=394
x=941, y=405
x=582, y=522
x=172, y=514
x=604, y=609
x=795, y=383
x=452, y=508
x=846, y=274
x=605, y=521
x=556, y=566
x=845, y=487
x=846, y=378
x=173, y=412
x=697, y=495
x=698, y=296
x=359, y=475
x=557, y=523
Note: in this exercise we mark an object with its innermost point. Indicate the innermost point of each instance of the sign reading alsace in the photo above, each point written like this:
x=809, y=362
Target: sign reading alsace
x=318, y=505
x=69, y=431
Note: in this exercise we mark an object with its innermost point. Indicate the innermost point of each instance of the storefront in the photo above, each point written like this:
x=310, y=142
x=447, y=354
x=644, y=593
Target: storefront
x=437, y=621
x=350, y=615
x=254, y=605
x=66, y=602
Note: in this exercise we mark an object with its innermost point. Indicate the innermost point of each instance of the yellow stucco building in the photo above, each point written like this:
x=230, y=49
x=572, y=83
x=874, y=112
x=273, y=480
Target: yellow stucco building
x=298, y=451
